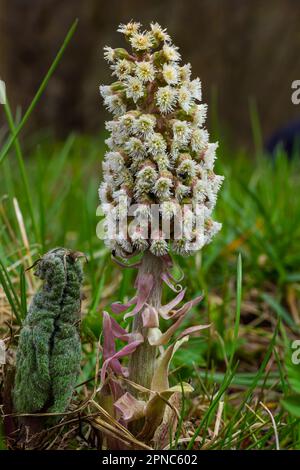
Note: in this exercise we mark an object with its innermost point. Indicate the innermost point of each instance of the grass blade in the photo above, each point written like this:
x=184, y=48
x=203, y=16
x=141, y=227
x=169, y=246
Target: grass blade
x=40, y=91
x=23, y=293
x=10, y=292
x=238, y=308
x=22, y=168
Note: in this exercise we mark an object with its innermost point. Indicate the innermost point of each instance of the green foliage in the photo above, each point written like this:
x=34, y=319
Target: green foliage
x=291, y=401
x=48, y=356
x=292, y=405
x=64, y=194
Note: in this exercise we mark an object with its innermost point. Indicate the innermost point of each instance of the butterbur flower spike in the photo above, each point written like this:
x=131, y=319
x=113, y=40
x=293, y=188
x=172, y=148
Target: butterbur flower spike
x=159, y=168
x=159, y=150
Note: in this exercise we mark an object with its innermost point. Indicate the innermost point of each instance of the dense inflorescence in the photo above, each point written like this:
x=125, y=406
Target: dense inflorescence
x=49, y=349
x=159, y=150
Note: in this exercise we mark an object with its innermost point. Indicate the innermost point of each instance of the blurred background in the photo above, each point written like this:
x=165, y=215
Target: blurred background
x=245, y=52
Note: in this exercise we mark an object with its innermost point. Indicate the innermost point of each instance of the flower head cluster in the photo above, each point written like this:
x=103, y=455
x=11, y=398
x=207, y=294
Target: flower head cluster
x=159, y=151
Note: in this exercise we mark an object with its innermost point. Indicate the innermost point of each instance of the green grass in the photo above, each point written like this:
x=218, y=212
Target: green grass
x=250, y=277
x=243, y=360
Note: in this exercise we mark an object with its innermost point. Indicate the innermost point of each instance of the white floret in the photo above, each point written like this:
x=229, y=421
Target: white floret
x=134, y=88
x=162, y=187
x=109, y=54
x=145, y=71
x=199, y=139
x=144, y=125
x=171, y=53
x=115, y=104
x=135, y=148
x=166, y=98
x=195, y=89
x=129, y=28
x=181, y=132
x=200, y=113
x=185, y=99
x=141, y=41
x=156, y=144
x=122, y=68
x=170, y=73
